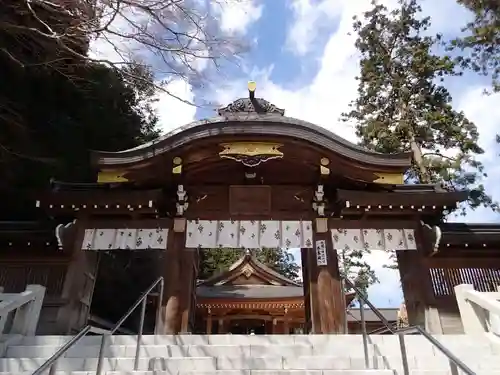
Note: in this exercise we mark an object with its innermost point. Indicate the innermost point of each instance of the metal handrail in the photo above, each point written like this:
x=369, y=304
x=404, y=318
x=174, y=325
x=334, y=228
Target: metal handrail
x=142, y=300
x=51, y=363
x=455, y=362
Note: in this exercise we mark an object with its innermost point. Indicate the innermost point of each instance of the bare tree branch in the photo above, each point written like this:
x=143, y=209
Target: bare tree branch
x=179, y=38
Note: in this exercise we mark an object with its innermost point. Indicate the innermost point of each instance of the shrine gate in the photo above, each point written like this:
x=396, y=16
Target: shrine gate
x=250, y=178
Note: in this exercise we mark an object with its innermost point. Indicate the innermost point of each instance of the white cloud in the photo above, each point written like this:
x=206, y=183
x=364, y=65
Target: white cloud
x=237, y=16
x=484, y=111
x=387, y=292
x=173, y=112
x=309, y=19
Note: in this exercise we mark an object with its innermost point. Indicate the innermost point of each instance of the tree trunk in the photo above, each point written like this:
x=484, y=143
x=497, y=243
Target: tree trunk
x=418, y=155
x=419, y=160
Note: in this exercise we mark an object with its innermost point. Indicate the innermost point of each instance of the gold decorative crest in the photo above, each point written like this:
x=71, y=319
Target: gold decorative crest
x=251, y=154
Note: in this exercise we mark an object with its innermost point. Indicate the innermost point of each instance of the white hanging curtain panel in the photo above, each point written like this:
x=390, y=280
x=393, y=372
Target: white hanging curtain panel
x=209, y=234
x=373, y=239
x=125, y=239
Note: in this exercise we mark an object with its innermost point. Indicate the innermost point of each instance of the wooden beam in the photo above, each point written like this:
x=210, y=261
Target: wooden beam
x=462, y=262
x=372, y=224
x=130, y=223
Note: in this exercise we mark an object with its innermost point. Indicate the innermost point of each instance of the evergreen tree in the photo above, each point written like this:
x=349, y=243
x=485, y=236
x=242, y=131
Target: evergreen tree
x=213, y=261
x=355, y=269
x=402, y=104
x=50, y=122
x=482, y=39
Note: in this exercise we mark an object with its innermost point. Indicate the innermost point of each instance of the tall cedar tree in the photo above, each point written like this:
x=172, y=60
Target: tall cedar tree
x=482, y=39
x=402, y=104
x=50, y=122
x=213, y=261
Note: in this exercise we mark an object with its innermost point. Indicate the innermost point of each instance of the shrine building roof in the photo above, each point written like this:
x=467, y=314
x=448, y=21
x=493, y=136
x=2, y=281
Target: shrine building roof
x=249, y=291
x=249, y=265
x=250, y=142
x=249, y=279
x=250, y=117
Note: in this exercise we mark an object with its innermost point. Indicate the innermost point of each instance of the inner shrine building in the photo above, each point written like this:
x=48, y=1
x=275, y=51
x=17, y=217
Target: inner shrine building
x=246, y=179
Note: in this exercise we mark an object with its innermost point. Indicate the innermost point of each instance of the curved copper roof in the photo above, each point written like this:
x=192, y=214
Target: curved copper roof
x=249, y=291
x=252, y=124
x=250, y=258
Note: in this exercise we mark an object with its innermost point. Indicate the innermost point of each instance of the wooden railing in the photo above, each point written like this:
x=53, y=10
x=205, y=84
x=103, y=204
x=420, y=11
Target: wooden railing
x=23, y=308
x=479, y=311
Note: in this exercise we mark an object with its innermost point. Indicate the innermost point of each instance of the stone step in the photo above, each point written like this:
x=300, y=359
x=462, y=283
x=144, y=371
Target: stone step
x=248, y=363
x=230, y=372
x=89, y=351
x=258, y=372
x=147, y=350
x=423, y=345
x=314, y=340
x=111, y=364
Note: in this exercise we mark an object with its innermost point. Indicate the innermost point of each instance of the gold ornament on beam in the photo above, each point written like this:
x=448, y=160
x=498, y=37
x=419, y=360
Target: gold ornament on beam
x=177, y=165
x=251, y=154
x=389, y=178
x=324, y=169
x=104, y=177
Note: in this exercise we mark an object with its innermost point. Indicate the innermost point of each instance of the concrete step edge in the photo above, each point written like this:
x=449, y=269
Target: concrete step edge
x=302, y=357
x=226, y=372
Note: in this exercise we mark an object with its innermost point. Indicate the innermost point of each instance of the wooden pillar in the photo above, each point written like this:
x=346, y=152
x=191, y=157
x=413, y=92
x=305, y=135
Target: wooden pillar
x=79, y=282
x=309, y=260
x=286, y=326
x=187, y=280
x=268, y=325
x=172, y=264
x=409, y=272
x=415, y=281
x=327, y=297
x=221, y=329
x=209, y=323
x=306, y=285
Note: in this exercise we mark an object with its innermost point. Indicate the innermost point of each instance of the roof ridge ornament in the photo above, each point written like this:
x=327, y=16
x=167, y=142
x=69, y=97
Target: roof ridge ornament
x=250, y=105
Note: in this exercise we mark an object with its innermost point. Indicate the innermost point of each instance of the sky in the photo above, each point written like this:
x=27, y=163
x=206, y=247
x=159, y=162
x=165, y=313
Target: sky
x=303, y=60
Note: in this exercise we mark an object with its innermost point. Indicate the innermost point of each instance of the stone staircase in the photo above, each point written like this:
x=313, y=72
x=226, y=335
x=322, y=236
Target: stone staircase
x=250, y=355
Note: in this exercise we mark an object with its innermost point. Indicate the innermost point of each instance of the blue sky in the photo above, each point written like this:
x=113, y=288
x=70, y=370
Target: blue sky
x=303, y=60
